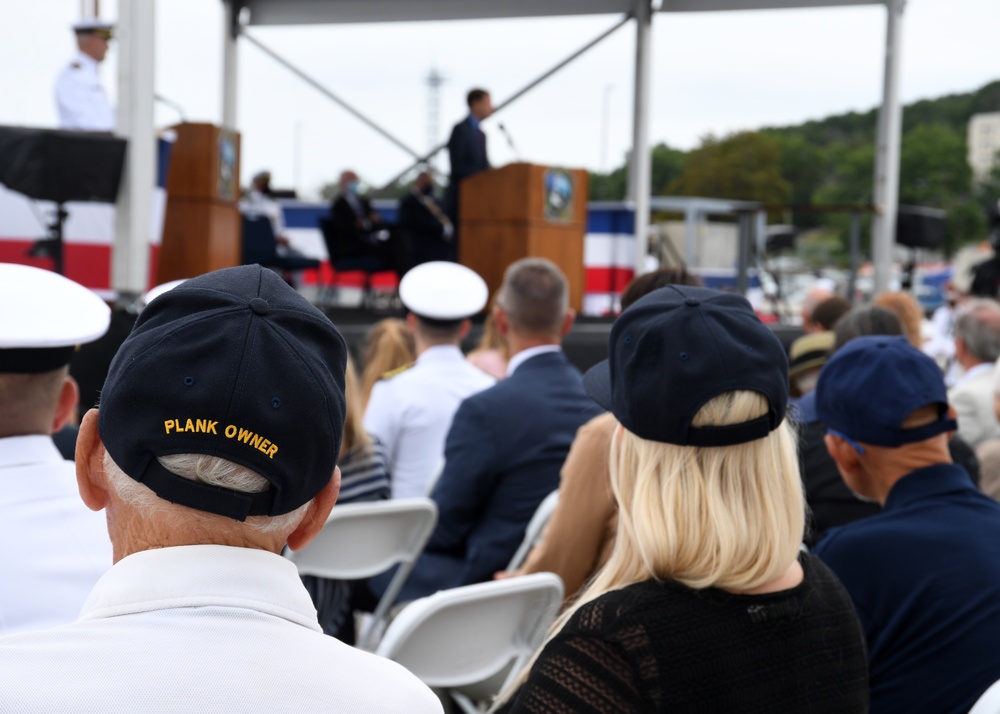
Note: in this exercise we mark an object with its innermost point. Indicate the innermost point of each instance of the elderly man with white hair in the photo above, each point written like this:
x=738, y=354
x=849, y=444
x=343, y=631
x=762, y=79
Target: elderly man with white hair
x=214, y=447
x=977, y=347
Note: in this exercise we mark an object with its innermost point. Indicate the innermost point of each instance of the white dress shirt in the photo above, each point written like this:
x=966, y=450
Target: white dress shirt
x=200, y=628
x=80, y=97
x=52, y=547
x=972, y=398
x=411, y=413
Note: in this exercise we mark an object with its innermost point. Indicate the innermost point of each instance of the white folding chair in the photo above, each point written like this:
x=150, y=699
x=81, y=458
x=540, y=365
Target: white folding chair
x=989, y=702
x=360, y=540
x=533, y=533
x=462, y=637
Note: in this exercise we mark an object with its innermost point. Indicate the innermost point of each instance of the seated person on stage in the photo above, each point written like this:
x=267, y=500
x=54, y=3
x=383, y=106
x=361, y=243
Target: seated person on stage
x=506, y=443
x=214, y=447
x=424, y=223
x=706, y=603
x=259, y=202
x=364, y=476
x=924, y=574
x=411, y=410
x=359, y=230
x=52, y=547
x=581, y=533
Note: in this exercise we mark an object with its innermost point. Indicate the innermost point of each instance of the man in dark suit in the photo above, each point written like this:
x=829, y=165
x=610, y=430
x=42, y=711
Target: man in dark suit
x=359, y=230
x=507, y=443
x=467, y=148
x=429, y=232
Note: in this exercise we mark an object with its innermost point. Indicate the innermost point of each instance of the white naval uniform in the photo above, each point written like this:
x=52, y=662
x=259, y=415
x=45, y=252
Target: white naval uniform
x=52, y=547
x=80, y=97
x=411, y=413
x=200, y=628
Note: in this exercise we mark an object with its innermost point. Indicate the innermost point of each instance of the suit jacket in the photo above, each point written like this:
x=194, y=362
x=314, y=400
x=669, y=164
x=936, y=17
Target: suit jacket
x=503, y=454
x=424, y=231
x=468, y=156
x=353, y=231
x=973, y=401
x=467, y=150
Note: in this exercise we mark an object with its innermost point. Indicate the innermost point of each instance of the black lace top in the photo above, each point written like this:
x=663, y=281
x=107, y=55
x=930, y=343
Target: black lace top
x=661, y=646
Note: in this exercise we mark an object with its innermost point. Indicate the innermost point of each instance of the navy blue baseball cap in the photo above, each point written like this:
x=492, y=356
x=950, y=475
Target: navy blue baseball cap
x=234, y=364
x=677, y=348
x=869, y=387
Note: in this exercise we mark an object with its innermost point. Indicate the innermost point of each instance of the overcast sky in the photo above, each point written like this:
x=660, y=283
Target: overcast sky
x=712, y=73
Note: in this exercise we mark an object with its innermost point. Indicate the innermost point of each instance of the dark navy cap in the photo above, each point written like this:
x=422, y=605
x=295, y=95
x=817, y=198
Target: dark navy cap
x=869, y=387
x=677, y=348
x=234, y=364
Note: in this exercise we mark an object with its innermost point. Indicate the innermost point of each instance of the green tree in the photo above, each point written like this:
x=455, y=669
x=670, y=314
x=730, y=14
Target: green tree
x=744, y=166
x=666, y=166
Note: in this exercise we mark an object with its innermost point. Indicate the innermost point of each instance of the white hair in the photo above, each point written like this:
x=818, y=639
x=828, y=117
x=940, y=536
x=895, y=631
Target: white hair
x=211, y=470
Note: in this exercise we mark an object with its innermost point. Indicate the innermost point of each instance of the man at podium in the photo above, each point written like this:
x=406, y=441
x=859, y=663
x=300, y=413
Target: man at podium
x=467, y=148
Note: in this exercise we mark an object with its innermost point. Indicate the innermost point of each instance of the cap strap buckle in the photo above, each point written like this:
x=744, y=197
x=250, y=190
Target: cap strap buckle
x=202, y=496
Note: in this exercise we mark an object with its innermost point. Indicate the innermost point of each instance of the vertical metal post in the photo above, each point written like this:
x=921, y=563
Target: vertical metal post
x=855, y=248
x=133, y=217
x=743, y=231
x=230, y=63
x=641, y=168
x=691, y=221
x=887, y=151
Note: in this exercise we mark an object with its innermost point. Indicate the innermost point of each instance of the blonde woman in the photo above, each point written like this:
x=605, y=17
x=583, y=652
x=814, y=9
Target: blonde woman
x=706, y=603
x=389, y=346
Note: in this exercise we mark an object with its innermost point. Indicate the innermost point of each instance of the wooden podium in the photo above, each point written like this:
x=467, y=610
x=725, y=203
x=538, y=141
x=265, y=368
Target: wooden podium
x=522, y=210
x=201, y=229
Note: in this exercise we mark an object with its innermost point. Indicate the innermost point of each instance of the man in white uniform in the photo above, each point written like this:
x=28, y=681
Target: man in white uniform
x=80, y=97
x=215, y=445
x=410, y=412
x=52, y=547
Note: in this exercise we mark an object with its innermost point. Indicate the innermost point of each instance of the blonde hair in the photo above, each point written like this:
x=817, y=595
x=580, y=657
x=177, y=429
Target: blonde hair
x=907, y=309
x=389, y=346
x=354, y=428
x=491, y=339
x=729, y=517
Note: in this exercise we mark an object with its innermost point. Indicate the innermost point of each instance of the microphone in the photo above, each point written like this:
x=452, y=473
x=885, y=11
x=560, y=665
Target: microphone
x=510, y=141
x=173, y=105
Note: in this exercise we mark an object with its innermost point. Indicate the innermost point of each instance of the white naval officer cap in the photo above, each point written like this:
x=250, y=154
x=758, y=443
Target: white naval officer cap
x=443, y=291
x=45, y=317
x=95, y=26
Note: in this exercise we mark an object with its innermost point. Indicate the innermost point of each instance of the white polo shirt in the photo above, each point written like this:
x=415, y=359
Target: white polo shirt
x=411, y=413
x=53, y=548
x=202, y=628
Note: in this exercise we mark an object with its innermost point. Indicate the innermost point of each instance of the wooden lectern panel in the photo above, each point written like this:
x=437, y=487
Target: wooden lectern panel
x=201, y=228
x=510, y=213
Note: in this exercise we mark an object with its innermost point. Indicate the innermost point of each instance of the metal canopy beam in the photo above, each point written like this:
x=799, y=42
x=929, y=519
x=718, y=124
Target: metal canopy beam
x=311, y=12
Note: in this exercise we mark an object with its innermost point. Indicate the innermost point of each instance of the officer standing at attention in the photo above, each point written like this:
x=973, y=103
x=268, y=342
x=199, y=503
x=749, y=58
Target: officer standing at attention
x=410, y=411
x=80, y=97
x=53, y=549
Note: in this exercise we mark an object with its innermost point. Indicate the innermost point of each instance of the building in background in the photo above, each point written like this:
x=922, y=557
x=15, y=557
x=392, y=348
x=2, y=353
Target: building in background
x=984, y=143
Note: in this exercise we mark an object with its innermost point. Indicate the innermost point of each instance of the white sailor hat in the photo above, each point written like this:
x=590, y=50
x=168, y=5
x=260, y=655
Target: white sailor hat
x=45, y=318
x=443, y=291
x=93, y=25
